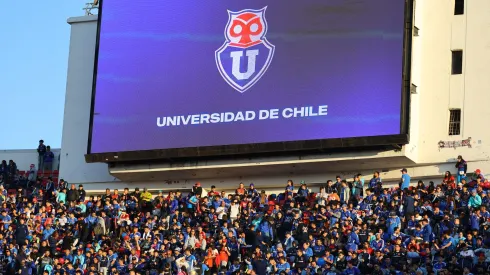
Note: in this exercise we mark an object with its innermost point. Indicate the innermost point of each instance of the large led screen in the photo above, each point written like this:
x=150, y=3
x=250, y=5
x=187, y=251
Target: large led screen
x=181, y=73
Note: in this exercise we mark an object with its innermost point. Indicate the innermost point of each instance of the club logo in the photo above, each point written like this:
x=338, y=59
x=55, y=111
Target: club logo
x=245, y=56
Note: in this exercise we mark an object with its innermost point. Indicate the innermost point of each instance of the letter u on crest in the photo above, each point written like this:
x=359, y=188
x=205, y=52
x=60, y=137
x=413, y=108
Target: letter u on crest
x=237, y=56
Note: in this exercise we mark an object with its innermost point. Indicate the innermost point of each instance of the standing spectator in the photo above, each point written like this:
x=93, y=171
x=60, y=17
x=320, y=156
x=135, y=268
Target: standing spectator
x=72, y=195
x=357, y=186
x=62, y=184
x=145, y=200
x=41, y=150
x=21, y=232
x=338, y=184
x=344, y=192
x=405, y=181
x=375, y=180
x=4, y=169
x=12, y=171
x=197, y=189
x=408, y=205
x=48, y=160
x=462, y=167
x=49, y=189
x=240, y=191
x=81, y=193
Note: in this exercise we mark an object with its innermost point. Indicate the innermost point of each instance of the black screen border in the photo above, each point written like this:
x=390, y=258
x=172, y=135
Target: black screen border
x=269, y=147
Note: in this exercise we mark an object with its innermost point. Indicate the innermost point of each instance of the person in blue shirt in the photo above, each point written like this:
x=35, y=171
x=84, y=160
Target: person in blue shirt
x=319, y=248
x=79, y=257
x=351, y=269
x=303, y=193
x=174, y=204
x=426, y=231
x=47, y=232
x=48, y=159
x=462, y=167
x=192, y=203
x=307, y=251
x=190, y=259
x=267, y=230
x=41, y=150
x=379, y=243
x=447, y=243
x=288, y=242
x=282, y=266
x=81, y=207
x=353, y=240
x=68, y=256
x=6, y=219
x=439, y=265
x=375, y=180
x=393, y=222
x=475, y=220
x=405, y=181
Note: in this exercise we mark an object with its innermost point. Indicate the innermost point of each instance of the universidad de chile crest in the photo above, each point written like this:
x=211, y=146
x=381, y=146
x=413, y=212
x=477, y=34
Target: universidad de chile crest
x=245, y=56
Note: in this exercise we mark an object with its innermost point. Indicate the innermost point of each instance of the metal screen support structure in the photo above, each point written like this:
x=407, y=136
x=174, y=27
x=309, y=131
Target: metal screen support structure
x=89, y=7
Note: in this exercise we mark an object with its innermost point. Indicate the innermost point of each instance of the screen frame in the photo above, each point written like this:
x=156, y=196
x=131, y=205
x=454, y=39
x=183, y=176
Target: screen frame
x=269, y=147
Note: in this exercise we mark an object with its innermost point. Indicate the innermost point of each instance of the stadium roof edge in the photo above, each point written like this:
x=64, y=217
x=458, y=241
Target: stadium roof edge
x=81, y=19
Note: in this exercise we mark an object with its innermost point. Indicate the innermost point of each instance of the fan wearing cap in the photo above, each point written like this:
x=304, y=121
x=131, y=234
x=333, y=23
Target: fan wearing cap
x=478, y=175
x=462, y=167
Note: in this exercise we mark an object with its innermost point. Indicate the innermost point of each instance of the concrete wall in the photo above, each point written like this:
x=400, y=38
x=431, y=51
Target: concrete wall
x=77, y=105
x=438, y=91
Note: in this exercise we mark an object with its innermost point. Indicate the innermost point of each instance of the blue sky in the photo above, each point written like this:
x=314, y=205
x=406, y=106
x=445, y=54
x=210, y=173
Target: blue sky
x=34, y=46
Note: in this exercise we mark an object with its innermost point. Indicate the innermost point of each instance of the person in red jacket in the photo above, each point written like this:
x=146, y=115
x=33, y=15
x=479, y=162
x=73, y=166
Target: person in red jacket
x=449, y=180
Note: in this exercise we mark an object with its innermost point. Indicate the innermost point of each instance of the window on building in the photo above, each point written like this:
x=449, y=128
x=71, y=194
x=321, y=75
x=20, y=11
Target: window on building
x=454, y=122
x=457, y=62
x=458, y=7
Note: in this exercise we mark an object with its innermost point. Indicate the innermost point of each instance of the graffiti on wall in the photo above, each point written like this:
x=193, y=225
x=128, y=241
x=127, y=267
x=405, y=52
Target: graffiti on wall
x=455, y=143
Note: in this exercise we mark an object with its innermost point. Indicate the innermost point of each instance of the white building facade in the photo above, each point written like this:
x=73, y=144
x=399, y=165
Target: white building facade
x=448, y=116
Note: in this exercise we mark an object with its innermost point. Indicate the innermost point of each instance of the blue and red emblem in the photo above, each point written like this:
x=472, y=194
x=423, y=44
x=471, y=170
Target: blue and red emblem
x=245, y=56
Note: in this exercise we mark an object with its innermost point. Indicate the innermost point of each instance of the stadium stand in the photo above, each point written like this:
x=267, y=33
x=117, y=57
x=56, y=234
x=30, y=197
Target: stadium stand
x=349, y=227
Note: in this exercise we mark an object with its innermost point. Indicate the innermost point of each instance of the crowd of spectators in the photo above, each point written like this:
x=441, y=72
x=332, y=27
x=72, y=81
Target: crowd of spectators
x=350, y=226
x=11, y=177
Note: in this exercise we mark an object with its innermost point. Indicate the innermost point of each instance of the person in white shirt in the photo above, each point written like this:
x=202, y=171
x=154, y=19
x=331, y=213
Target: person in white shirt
x=234, y=210
x=221, y=210
x=62, y=220
x=322, y=196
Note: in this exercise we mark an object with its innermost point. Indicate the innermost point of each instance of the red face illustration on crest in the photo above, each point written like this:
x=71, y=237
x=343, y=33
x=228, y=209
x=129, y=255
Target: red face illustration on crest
x=246, y=29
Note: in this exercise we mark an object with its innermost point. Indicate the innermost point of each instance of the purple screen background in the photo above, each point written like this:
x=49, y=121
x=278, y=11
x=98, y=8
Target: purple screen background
x=157, y=58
